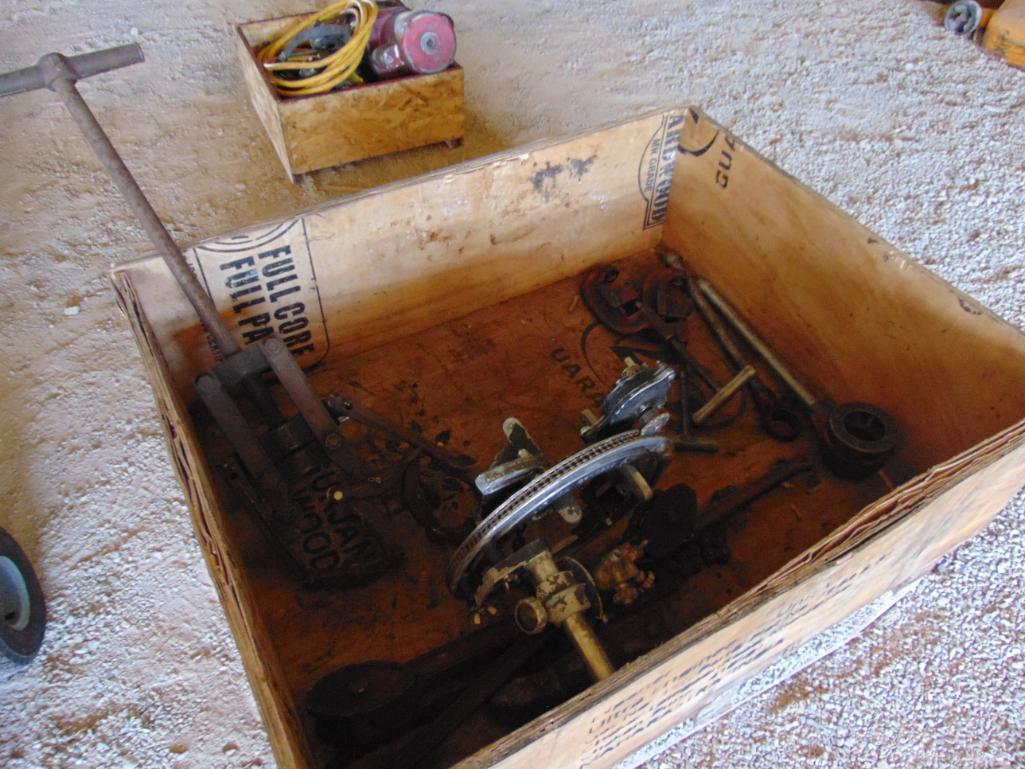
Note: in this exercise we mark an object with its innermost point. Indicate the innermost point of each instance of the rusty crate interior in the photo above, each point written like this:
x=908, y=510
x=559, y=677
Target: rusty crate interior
x=480, y=319
x=541, y=358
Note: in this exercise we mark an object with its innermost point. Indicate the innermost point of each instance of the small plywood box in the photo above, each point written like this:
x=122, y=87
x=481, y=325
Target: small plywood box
x=325, y=130
x=451, y=300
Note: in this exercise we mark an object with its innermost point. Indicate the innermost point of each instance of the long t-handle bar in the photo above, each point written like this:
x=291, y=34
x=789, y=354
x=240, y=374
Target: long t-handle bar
x=59, y=74
x=83, y=66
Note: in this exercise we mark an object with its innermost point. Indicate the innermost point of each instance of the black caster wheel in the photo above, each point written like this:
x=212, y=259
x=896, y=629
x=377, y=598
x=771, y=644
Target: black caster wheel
x=22, y=607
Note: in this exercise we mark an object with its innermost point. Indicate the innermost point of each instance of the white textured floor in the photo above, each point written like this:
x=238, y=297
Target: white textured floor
x=915, y=132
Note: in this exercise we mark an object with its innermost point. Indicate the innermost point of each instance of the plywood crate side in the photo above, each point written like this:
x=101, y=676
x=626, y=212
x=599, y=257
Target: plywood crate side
x=371, y=268
x=343, y=126
x=219, y=551
x=263, y=98
x=374, y=119
x=846, y=309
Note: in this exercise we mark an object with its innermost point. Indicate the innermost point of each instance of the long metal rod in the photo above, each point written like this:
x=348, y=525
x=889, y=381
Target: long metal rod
x=84, y=65
x=545, y=572
x=60, y=78
x=757, y=344
x=722, y=395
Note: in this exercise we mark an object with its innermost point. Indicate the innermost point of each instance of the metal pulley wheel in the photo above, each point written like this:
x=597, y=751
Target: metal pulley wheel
x=22, y=607
x=362, y=690
x=566, y=476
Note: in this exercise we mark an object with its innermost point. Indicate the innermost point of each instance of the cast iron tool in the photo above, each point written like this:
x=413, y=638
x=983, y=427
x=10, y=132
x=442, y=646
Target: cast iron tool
x=630, y=436
x=628, y=635
x=625, y=309
x=659, y=306
x=673, y=517
x=856, y=438
x=682, y=542
x=416, y=746
x=542, y=491
x=364, y=704
x=518, y=461
x=626, y=441
x=563, y=594
x=777, y=417
x=410, y=708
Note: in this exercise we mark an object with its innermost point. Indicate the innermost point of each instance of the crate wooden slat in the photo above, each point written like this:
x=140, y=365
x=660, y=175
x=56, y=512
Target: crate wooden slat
x=461, y=282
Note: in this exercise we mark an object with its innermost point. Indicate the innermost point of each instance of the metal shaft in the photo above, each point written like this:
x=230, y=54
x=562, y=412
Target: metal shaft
x=740, y=497
x=757, y=344
x=60, y=78
x=723, y=394
x=576, y=626
x=84, y=65
x=583, y=637
x=729, y=349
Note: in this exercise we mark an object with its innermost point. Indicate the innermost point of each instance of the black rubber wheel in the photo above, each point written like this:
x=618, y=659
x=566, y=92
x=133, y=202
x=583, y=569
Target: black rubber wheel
x=22, y=607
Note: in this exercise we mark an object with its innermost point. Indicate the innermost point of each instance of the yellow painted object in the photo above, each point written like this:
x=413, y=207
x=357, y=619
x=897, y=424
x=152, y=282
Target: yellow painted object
x=331, y=70
x=1005, y=34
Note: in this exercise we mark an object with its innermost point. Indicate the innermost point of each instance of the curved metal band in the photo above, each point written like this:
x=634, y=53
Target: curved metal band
x=572, y=472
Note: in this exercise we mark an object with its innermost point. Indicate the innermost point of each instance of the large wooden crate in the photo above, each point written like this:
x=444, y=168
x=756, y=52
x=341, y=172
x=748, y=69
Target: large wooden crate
x=449, y=298
x=330, y=129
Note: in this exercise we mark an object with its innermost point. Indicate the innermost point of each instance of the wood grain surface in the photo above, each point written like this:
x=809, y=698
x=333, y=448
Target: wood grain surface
x=450, y=300
x=343, y=126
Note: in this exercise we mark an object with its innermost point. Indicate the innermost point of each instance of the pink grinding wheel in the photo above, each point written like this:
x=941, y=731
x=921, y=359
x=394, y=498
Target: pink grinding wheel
x=429, y=42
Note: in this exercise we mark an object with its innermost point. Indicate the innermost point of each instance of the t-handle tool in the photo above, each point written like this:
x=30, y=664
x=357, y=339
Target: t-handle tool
x=856, y=438
x=325, y=538
x=60, y=74
x=778, y=418
x=685, y=440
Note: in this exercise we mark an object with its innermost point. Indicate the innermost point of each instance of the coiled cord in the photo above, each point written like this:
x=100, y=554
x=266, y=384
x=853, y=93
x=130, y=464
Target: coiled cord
x=333, y=69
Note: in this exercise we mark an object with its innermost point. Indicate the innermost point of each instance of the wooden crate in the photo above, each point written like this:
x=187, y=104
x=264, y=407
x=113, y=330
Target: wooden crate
x=450, y=299
x=324, y=130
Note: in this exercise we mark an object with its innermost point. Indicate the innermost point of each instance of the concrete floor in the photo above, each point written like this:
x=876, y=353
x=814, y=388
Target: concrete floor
x=915, y=132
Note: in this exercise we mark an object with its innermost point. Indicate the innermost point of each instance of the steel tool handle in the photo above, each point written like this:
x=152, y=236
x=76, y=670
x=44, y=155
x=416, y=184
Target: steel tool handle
x=59, y=74
x=742, y=328
x=82, y=66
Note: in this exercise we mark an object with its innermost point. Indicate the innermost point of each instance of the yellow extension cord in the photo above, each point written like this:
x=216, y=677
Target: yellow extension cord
x=334, y=69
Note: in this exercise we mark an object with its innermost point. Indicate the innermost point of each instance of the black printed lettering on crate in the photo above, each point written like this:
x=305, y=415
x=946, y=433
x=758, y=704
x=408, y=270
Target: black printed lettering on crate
x=331, y=537
x=262, y=282
x=268, y=280
x=663, y=699
x=575, y=370
x=699, y=142
x=722, y=172
x=655, y=170
x=318, y=549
